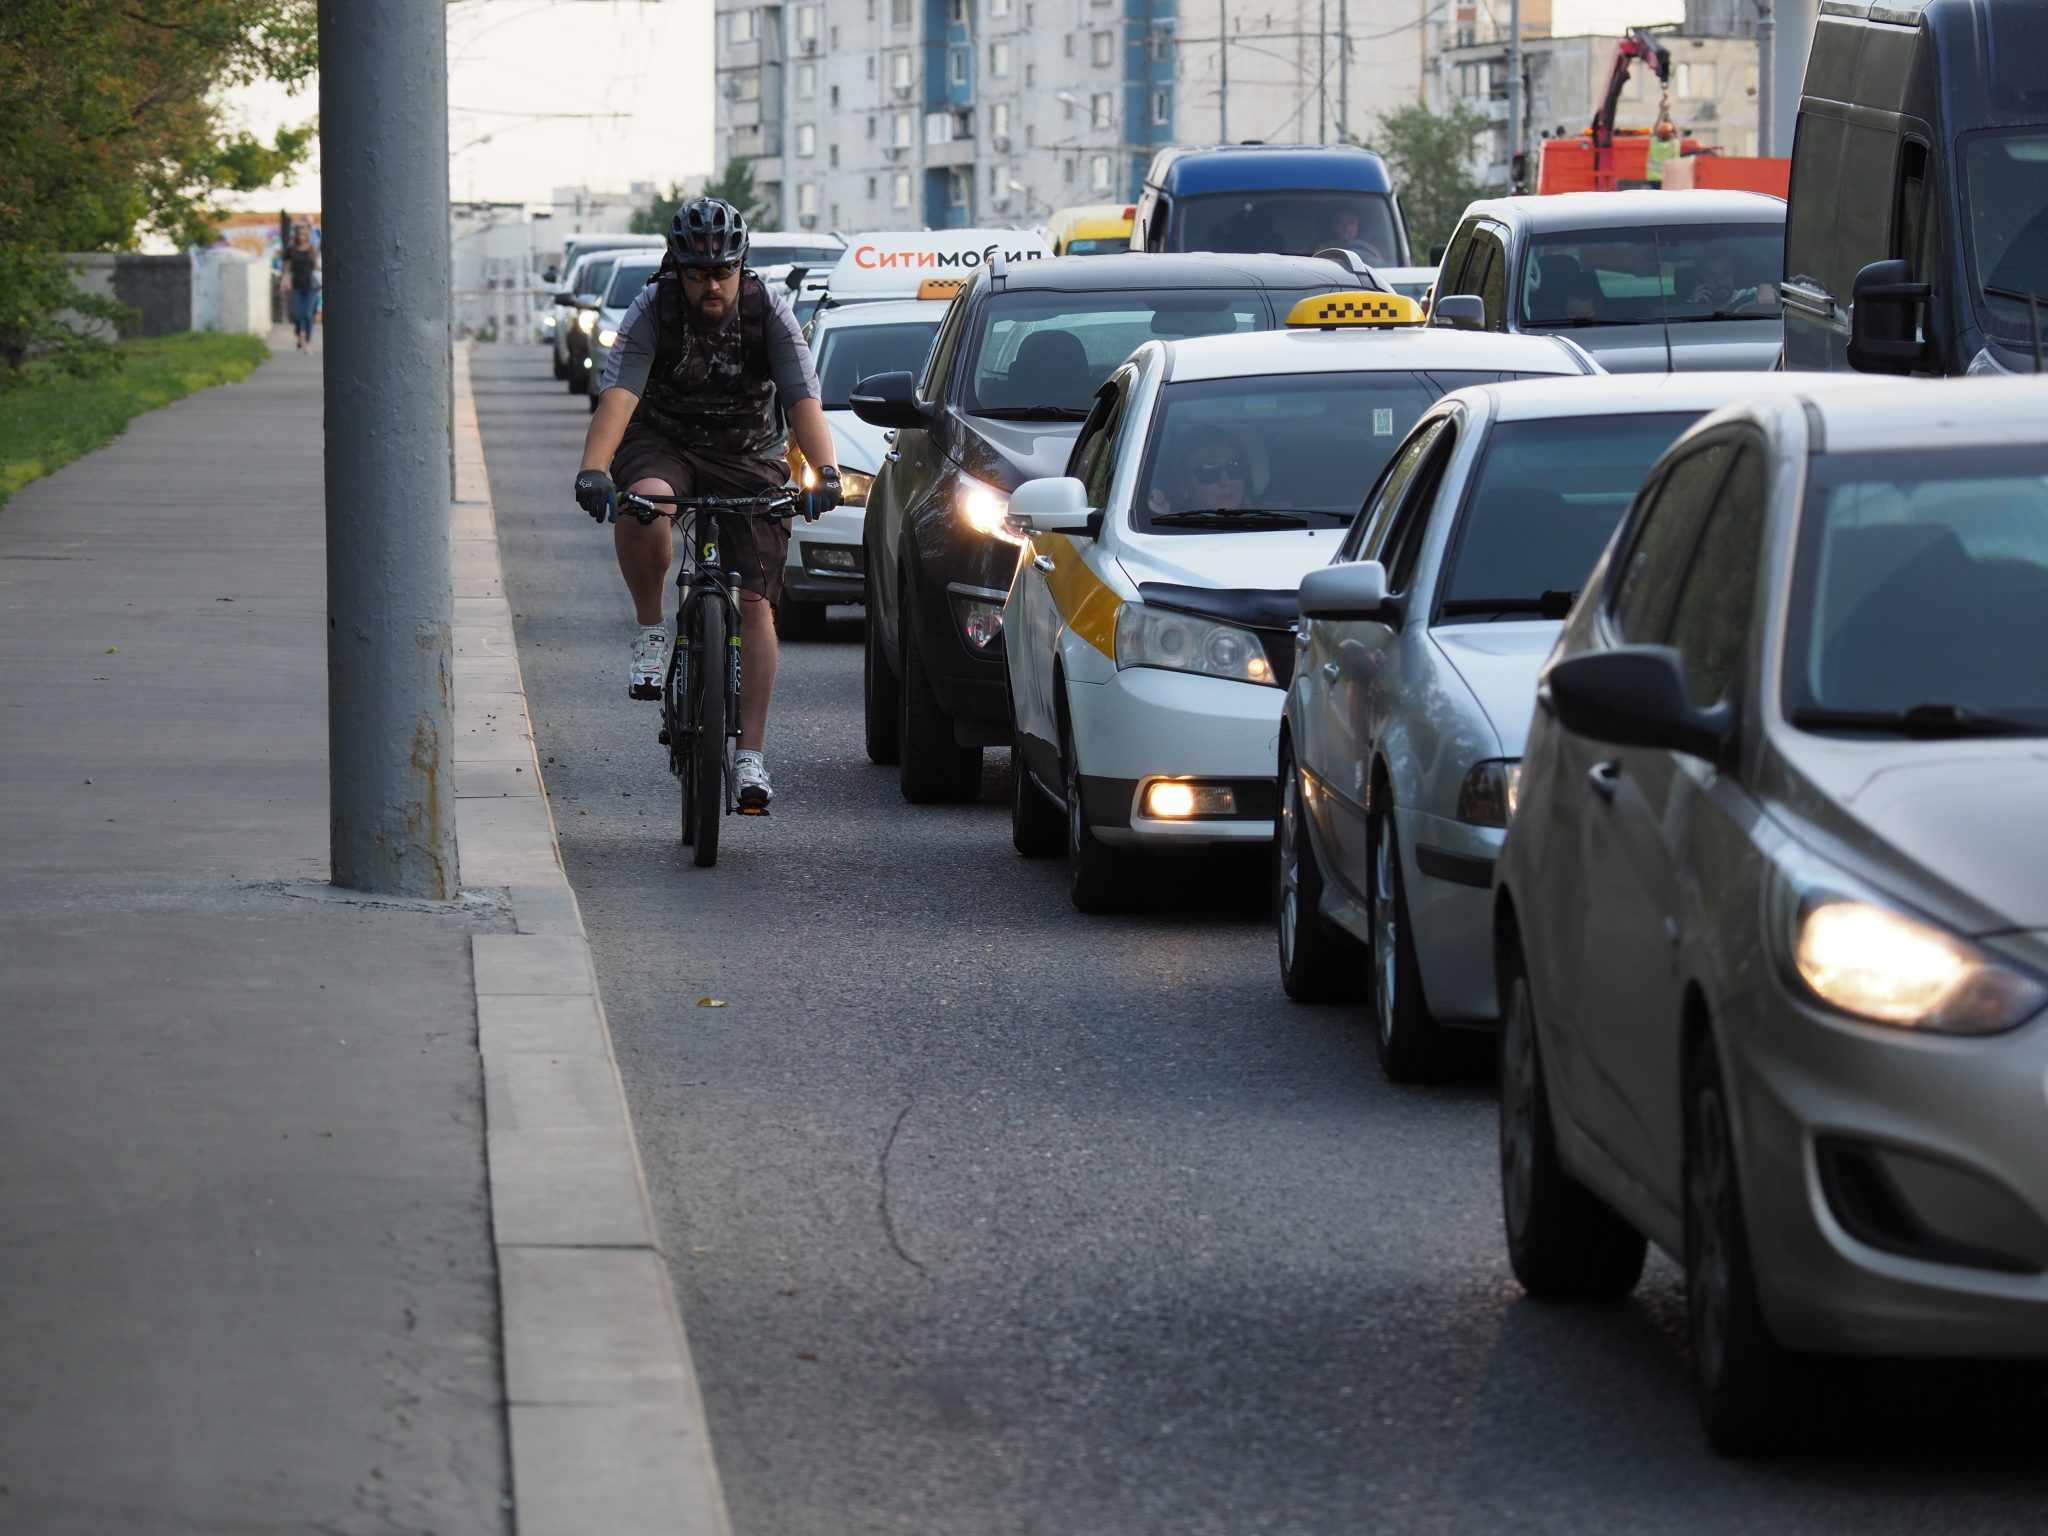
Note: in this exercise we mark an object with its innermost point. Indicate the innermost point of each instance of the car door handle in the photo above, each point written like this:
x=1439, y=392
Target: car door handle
x=1041, y=562
x=1331, y=671
x=1605, y=778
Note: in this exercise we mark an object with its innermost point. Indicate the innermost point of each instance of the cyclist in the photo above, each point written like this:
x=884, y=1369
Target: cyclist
x=709, y=357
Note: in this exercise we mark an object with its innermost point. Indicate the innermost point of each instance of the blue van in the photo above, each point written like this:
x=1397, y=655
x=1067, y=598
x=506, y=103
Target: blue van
x=1291, y=199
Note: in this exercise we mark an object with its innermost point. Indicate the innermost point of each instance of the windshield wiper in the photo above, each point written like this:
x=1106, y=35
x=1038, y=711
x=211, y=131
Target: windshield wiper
x=1554, y=603
x=1257, y=515
x=1034, y=413
x=1932, y=720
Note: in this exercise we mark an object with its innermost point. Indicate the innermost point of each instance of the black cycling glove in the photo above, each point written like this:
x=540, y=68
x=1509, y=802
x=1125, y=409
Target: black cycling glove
x=824, y=496
x=596, y=494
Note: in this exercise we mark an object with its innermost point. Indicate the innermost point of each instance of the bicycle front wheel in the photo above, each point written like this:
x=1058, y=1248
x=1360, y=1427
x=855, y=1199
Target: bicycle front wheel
x=706, y=776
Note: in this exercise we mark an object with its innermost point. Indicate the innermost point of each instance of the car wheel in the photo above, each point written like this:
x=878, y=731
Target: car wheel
x=796, y=620
x=1098, y=878
x=1753, y=1393
x=1316, y=964
x=1412, y=1045
x=878, y=689
x=1037, y=829
x=555, y=358
x=932, y=768
x=1563, y=1242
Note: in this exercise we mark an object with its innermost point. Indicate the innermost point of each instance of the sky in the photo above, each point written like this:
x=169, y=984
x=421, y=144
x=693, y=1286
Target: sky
x=603, y=93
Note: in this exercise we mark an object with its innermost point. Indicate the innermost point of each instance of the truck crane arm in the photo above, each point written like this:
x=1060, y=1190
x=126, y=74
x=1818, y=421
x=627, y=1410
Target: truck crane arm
x=1638, y=44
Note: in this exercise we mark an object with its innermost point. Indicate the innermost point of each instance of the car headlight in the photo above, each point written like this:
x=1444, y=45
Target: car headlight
x=987, y=510
x=586, y=321
x=854, y=487
x=607, y=337
x=1875, y=962
x=1180, y=642
x=1487, y=797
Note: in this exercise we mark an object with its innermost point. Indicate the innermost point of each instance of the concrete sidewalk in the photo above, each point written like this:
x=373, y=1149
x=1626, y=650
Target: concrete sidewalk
x=251, y=1241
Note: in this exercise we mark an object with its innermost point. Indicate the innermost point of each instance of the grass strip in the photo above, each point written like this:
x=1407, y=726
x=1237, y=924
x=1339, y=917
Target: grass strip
x=47, y=419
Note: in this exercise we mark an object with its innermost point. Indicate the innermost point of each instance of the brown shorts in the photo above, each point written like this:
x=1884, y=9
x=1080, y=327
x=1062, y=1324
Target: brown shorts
x=756, y=547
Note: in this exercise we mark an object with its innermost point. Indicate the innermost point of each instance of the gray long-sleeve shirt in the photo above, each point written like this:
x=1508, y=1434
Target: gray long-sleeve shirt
x=789, y=358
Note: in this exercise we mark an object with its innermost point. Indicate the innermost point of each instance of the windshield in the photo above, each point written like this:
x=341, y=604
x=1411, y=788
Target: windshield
x=1546, y=499
x=1644, y=276
x=850, y=353
x=1099, y=246
x=1047, y=353
x=1922, y=590
x=1227, y=455
x=761, y=253
x=2007, y=196
x=1290, y=223
x=596, y=275
x=627, y=281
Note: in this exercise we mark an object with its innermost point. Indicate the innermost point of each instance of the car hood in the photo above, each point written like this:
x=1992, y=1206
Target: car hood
x=1967, y=818
x=860, y=444
x=1007, y=453
x=1500, y=664
x=1717, y=346
x=1247, y=562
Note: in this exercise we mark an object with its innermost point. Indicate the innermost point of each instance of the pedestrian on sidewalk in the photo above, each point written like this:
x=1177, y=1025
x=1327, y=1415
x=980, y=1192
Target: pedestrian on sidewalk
x=301, y=276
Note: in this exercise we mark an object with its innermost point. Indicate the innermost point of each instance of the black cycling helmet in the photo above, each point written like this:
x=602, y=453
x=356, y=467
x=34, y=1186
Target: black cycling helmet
x=706, y=232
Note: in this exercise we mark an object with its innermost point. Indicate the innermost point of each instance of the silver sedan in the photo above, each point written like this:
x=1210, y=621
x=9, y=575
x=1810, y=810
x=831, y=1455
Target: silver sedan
x=1420, y=647
x=1772, y=913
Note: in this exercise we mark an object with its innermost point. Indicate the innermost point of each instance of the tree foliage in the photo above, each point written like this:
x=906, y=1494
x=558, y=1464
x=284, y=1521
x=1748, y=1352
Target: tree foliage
x=1430, y=154
x=111, y=128
x=735, y=184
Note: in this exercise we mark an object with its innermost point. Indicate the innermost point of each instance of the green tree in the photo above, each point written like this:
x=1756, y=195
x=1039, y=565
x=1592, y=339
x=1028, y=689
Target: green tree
x=111, y=128
x=735, y=184
x=1430, y=154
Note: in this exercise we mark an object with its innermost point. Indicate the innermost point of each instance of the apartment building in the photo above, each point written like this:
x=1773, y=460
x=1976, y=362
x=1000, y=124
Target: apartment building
x=878, y=113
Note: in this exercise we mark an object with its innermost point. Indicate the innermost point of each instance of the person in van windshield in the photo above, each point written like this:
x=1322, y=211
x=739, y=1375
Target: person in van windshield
x=1212, y=471
x=1343, y=232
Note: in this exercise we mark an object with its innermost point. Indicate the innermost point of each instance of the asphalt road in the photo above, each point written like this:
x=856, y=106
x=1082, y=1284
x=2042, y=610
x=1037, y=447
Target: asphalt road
x=990, y=1218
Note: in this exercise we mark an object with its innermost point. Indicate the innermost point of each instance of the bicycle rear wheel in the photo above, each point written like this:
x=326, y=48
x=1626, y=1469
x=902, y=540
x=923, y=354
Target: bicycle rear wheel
x=706, y=775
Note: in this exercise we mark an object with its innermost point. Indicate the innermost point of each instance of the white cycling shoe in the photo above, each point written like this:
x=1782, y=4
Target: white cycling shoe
x=649, y=666
x=750, y=782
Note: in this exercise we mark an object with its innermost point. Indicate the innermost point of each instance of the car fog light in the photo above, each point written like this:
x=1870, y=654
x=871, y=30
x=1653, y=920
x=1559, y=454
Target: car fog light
x=832, y=557
x=1175, y=800
x=981, y=623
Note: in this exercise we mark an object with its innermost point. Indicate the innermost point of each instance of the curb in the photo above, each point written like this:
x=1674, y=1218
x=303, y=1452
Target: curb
x=608, y=1431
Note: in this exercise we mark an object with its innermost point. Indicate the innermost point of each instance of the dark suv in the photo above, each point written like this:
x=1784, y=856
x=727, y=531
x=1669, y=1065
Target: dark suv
x=1010, y=379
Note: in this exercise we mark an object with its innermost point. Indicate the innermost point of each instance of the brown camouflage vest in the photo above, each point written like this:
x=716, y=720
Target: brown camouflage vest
x=712, y=391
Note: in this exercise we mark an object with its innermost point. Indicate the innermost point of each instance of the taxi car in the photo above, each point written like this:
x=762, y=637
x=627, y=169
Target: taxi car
x=1148, y=631
x=1017, y=362
x=1091, y=229
x=1772, y=919
x=1416, y=674
x=849, y=344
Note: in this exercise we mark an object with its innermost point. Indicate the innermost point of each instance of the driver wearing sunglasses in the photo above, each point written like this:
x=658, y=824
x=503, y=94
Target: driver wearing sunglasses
x=1209, y=472
x=709, y=362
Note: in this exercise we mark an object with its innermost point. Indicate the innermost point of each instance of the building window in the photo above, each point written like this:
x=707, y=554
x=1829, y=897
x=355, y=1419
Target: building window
x=899, y=71
x=999, y=7
x=806, y=140
x=807, y=199
x=1067, y=172
x=871, y=125
x=807, y=23
x=999, y=58
x=832, y=156
x=901, y=130
x=1695, y=81
x=1162, y=107
x=1098, y=172
x=807, y=80
x=1102, y=49
x=956, y=12
x=999, y=120
x=871, y=66
x=835, y=97
x=956, y=66
x=1031, y=74
x=740, y=25
x=959, y=186
x=998, y=180
x=1030, y=13
x=1067, y=44
x=899, y=190
x=1102, y=109
x=899, y=13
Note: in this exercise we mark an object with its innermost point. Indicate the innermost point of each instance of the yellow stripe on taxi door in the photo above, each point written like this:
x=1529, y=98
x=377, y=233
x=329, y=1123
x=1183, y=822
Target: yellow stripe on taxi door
x=1086, y=604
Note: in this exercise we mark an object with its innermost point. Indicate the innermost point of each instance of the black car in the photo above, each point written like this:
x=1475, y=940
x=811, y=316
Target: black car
x=1016, y=365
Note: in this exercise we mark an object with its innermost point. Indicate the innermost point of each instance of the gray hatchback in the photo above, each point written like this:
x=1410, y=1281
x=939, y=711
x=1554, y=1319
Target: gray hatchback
x=1771, y=918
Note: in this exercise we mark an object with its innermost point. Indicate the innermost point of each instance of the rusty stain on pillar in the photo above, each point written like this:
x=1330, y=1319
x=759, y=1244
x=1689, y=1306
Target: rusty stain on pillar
x=385, y=346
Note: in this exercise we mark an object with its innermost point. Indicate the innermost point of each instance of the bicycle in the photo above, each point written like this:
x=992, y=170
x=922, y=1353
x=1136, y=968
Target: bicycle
x=700, y=701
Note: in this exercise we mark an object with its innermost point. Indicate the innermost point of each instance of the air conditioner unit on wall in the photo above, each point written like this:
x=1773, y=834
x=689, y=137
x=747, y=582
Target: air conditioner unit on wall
x=1000, y=141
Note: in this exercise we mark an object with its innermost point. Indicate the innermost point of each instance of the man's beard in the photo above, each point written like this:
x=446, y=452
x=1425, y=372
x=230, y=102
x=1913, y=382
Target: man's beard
x=704, y=322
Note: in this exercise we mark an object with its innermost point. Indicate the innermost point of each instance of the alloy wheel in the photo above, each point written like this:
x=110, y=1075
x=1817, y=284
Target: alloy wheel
x=1518, y=1090
x=1386, y=933
x=1710, y=1200
x=1290, y=866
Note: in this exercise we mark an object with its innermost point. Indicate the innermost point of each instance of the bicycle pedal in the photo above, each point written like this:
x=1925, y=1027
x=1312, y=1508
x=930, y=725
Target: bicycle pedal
x=662, y=739
x=748, y=808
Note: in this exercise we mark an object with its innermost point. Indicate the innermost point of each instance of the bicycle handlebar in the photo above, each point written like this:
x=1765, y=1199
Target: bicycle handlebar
x=647, y=508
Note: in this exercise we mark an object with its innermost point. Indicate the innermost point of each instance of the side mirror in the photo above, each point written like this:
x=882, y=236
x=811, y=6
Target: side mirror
x=1884, y=328
x=566, y=300
x=889, y=400
x=1055, y=505
x=1356, y=589
x=1637, y=696
x=795, y=278
x=1459, y=311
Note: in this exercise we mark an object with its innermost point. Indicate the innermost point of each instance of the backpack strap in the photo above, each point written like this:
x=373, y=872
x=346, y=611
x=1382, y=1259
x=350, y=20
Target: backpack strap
x=754, y=321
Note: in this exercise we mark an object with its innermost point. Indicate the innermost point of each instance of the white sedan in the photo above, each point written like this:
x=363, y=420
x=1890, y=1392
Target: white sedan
x=1148, y=633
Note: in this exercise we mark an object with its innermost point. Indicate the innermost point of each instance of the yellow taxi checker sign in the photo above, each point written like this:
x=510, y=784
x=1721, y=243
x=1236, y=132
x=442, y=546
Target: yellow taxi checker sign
x=1326, y=311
